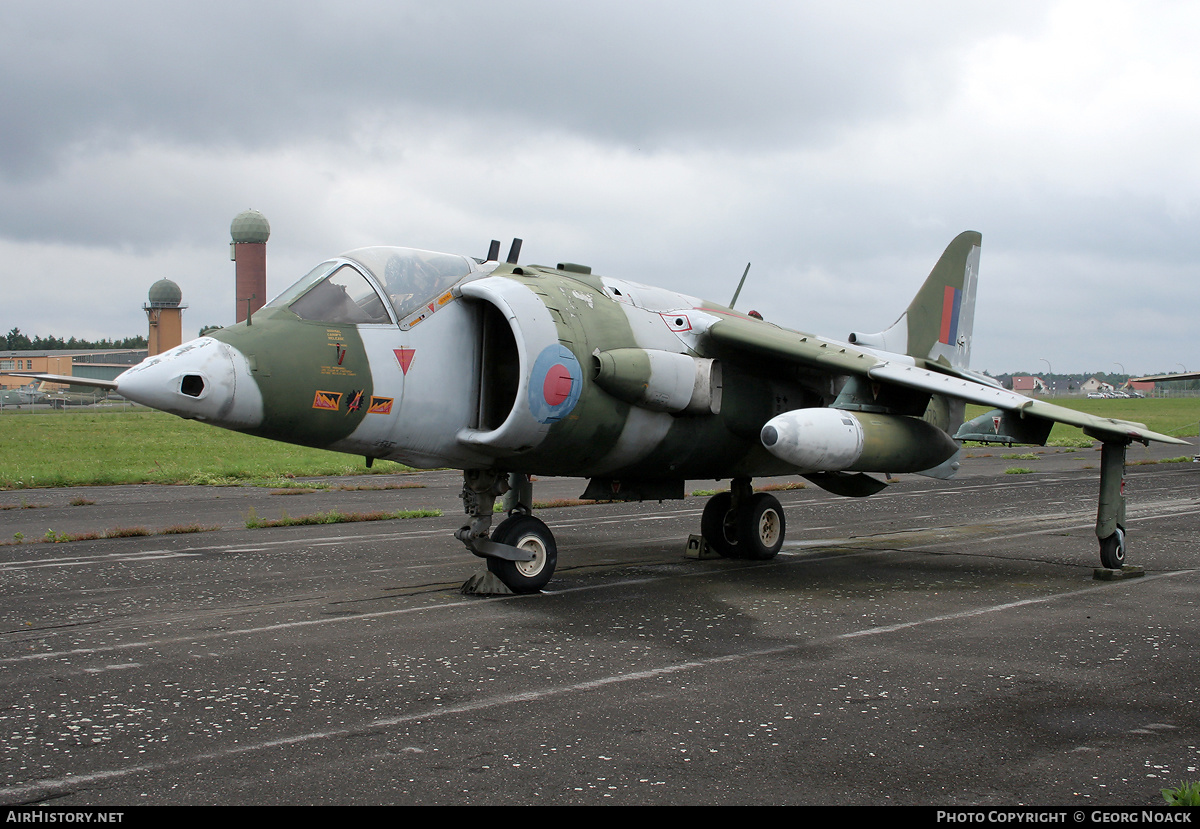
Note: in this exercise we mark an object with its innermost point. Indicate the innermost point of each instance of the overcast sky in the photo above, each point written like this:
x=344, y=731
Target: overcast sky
x=837, y=146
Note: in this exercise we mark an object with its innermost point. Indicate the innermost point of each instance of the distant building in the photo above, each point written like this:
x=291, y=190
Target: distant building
x=102, y=364
x=1094, y=384
x=164, y=311
x=249, y=233
x=1028, y=384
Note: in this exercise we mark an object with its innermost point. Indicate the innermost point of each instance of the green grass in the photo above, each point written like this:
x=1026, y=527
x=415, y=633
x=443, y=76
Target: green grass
x=253, y=522
x=1175, y=416
x=1185, y=794
x=75, y=449
x=55, y=537
x=52, y=537
x=121, y=447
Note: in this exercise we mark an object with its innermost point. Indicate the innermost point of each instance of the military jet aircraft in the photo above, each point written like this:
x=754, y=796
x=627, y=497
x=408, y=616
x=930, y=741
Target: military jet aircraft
x=506, y=371
x=61, y=399
x=27, y=394
x=1166, y=378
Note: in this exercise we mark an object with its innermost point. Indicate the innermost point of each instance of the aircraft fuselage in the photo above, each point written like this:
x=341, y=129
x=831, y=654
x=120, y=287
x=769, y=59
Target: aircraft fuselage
x=509, y=369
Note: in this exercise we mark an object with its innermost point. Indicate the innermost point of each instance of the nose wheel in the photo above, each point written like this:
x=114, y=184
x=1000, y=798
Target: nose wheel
x=531, y=535
x=521, y=551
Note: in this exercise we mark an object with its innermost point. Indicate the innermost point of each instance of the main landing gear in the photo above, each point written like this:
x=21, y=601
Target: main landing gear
x=521, y=551
x=742, y=523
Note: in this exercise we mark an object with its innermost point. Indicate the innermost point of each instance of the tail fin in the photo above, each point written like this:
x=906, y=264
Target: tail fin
x=938, y=322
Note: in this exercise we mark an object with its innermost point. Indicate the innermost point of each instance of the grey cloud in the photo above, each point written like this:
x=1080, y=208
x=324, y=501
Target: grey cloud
x=649, y=74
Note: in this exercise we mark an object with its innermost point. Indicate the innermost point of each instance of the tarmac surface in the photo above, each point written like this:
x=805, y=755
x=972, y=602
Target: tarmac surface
x=941, y=643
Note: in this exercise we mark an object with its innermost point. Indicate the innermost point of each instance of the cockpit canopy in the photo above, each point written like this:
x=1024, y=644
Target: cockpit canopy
x=337, y=291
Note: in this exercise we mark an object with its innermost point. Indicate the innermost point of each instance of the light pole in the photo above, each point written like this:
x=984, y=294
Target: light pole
x=1051, y=373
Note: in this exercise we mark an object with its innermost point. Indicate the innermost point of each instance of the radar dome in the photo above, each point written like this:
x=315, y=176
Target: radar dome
x=165, y=294
x=250, y=226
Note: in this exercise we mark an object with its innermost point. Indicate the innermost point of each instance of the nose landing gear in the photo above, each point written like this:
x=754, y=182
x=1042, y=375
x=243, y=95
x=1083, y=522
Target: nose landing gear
x=531, y=535
x=521, y=551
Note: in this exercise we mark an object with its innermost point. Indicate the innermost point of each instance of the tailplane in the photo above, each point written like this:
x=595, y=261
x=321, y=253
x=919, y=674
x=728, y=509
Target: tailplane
x=937, y=324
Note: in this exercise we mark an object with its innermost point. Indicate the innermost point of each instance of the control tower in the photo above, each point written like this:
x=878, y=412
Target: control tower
x=164, y=309
x=248, y=250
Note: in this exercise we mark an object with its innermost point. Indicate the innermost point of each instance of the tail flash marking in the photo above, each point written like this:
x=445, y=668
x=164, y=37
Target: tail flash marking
x=951, y=302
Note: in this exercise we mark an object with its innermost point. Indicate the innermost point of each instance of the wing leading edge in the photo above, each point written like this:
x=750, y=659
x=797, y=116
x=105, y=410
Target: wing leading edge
x=69, y=380
x=750, y=338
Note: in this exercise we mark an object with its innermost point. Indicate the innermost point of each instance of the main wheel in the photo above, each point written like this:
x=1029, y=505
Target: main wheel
x=1112, y=550
x=718, y=525
x=527, y=533
x=760, y=527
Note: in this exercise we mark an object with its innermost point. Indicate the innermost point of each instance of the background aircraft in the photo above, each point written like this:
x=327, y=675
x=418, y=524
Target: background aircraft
x=1164, y=378
x=507, y=371
x=59, y=398
x=23, y=396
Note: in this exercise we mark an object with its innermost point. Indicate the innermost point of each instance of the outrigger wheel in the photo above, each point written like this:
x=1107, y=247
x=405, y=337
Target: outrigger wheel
x=1110, y=514
x=742, y=523
x=1112, y=550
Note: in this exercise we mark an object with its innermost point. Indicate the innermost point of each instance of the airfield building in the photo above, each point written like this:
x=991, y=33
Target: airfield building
x=248, y=250
x=102, y=364
x=164, y=311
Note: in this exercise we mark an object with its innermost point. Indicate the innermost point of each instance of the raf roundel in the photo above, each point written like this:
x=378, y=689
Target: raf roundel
x=554, y=384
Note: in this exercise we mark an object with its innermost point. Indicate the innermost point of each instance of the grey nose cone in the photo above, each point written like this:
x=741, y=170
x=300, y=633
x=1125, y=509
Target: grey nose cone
x=204, y=379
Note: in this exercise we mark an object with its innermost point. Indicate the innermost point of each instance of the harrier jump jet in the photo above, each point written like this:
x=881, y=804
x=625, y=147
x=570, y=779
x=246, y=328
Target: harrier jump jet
x=506, y=371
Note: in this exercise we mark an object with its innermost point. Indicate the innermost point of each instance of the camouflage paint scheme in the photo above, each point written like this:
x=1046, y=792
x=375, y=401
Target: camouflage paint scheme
x=509, y=370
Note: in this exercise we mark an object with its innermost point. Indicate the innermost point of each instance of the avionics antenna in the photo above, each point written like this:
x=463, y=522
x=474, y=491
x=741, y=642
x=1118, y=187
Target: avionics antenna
x=733, y=301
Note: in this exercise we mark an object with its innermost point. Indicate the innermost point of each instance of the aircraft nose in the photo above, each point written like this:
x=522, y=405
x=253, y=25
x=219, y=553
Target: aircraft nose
x=204, y=379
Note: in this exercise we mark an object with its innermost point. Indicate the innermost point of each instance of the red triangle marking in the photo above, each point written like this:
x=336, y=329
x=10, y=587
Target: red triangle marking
x=404, y=356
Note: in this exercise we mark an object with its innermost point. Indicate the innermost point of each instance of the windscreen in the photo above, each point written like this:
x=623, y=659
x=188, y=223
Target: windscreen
x=410, y=277
x=344, y=296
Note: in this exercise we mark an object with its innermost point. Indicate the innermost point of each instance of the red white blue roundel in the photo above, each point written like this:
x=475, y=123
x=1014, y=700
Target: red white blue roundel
x=554, y=384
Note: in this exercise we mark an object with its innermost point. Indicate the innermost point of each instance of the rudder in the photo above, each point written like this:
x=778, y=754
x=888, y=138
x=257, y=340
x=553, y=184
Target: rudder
x=938, y=323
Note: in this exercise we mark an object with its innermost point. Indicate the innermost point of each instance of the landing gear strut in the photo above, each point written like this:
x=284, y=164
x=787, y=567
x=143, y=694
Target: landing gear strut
x=1110, y=516
x=742, y=523
x=521, y=551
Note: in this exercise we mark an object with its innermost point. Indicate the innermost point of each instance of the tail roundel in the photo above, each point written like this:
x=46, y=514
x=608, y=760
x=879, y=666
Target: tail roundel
x=938, y=323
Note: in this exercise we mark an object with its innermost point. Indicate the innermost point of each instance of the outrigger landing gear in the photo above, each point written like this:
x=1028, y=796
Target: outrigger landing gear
x=742, y=523
x=521, y=551
x=1110, y=516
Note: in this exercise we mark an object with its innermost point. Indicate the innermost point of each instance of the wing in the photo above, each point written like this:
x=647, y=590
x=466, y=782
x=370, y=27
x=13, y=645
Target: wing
x=751, y=338
x=1162, y=378
x=67, y=379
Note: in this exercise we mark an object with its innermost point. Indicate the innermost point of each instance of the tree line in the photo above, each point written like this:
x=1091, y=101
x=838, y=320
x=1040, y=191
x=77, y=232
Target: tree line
x=16, y=341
